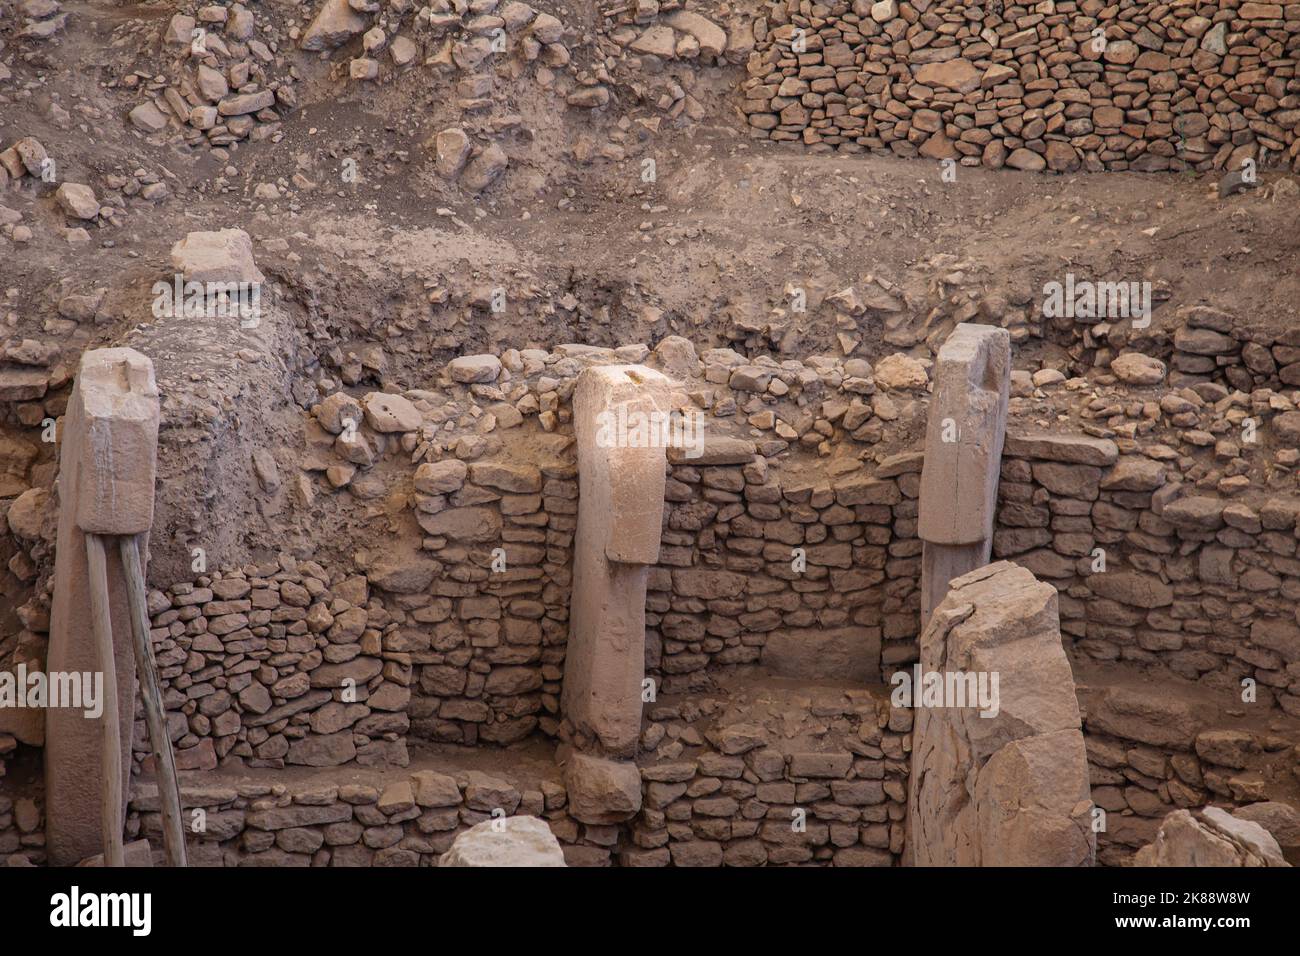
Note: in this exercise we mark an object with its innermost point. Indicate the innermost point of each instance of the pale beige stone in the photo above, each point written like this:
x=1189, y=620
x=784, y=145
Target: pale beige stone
x=512, y=841
x=1215, y=839
x=620, y=517
x=106, y=484
x=1006, y=785
x=963, y=457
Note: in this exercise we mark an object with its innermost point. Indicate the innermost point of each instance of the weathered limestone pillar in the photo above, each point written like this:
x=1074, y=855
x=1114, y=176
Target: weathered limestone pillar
x=621, y=463
x=106, y=486
x=963, y=456
x=999, y=772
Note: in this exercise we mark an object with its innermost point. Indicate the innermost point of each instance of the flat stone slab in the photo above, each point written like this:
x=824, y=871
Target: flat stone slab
x=1071, y=449
x=844, y=653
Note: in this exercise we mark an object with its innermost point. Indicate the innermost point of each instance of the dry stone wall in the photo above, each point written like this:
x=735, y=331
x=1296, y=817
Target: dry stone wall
x=1195, y=583
x=1051, y=85
x=1211, y=345
x=486, y=636
x=375, y=821
x=1151, y=754
x=726, y=785
x=727, y=592
x=1200, y=344
x=463, y=640
x=290, y=664
x=1203, y=584
x=279, y=664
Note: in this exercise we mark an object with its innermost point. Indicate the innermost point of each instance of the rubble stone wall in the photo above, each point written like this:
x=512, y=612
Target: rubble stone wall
x=1031, y=86
x=291, y=664
x=1149, y=756
x=740, y=794
x=404, y=822
x=730, y=793
x=20, y=826
x=256, y=660
x=727, y=592
x=1201, y=583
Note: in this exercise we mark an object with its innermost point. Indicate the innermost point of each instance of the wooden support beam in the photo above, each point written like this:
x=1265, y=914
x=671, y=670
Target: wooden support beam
x=155, y=716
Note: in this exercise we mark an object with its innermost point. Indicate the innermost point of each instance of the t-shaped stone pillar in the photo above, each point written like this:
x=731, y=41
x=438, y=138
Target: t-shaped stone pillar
x=963, y=457
x=106, y=483
x=620, y=420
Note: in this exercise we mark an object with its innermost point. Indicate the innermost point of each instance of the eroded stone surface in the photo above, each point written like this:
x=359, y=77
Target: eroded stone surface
x=513, y=841
x=620, y=515
x=1010, y=788
x=963, y=457
x=1212, y=838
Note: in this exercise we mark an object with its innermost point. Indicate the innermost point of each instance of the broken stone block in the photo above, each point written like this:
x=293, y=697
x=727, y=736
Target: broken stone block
x=512, y=841
x=77, y=200
x=363, y=68
x=401, y=574
x=1134, y=368
x=602, y=790
x=451, y=148
x=468, y=369
x=403, y=50
x=334, y=24
x=1216, y=839
x=245, y=103
x=32, y=154
x=224, y=255
x=1281, y=820
x=148, y=118
x=180, y=30
x=658, y=40
x=390, y=413
x=136, y=853
x=711, y=37
x=23, y=384
x=484, y=169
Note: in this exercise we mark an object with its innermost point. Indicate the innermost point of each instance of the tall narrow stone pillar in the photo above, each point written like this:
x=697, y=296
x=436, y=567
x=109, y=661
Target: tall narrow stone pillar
x=618, y=414
x=963, y=456
x=106, y=486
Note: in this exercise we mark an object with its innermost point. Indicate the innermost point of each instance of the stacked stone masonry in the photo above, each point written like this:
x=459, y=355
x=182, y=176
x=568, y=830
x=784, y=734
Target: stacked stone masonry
x=288, y=664
x=732, y=789
x=294, y=663
x=727, y=592
x=1052, y=85
x=1151, y=571
x=1150, y=755
x=721, y=791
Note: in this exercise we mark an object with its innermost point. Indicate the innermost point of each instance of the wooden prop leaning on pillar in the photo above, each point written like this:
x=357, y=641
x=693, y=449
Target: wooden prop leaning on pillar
x=964, y=434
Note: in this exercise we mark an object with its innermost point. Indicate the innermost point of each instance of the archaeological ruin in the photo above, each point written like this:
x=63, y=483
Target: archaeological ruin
x=662, y=433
